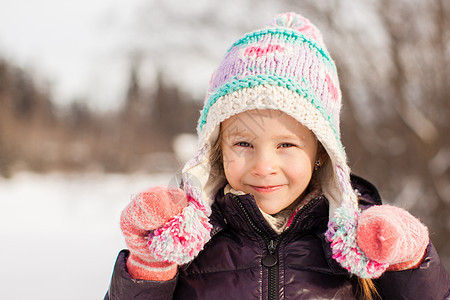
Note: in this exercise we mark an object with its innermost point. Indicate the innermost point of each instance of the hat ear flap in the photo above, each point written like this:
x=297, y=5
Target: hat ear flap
x=201, y=179
x=181, y=239
x=342, y=225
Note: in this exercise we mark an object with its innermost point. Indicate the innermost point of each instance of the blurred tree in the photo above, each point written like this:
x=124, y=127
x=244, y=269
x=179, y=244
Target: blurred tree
x=25, y=116
x=173, y=113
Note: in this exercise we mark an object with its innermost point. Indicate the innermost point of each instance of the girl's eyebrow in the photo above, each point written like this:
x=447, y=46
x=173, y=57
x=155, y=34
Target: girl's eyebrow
x=289, y=136
x=237, y=133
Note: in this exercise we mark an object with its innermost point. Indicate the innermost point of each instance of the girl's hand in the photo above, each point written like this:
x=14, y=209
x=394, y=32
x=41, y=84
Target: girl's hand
x=146, y=212
x=389, y=234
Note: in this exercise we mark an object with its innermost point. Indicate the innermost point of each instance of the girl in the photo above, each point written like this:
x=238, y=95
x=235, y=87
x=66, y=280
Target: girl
x=268, y=208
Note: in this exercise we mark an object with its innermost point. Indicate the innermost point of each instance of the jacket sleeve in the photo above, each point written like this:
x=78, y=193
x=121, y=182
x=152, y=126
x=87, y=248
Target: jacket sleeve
x=428, y=281
x=123, y=287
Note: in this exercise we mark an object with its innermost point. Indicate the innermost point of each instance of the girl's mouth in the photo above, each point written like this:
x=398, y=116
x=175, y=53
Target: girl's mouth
x=266, y=189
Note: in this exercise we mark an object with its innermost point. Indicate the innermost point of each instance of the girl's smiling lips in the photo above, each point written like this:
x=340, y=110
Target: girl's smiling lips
x=267, y=188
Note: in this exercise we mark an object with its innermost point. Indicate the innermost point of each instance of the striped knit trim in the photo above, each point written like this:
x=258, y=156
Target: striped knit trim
x=150, y=271
x=256, y=80
x=288, y=35
x=149, y=265
x=132, y=211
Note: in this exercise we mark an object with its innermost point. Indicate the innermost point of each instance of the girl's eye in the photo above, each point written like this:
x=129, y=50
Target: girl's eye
x=242, y=144
x=286, y=145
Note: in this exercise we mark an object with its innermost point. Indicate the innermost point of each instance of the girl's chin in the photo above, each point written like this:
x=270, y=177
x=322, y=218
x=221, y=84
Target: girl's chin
x=269, y=209
x=271, y=212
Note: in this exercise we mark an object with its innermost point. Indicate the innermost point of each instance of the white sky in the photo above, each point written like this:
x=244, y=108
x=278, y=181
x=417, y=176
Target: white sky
x=73, y=44
x=83, y=49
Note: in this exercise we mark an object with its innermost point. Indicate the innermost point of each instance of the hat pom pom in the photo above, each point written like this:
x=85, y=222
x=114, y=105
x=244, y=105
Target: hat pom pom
x=299, y=23
x=341, y=234
x=181, y=239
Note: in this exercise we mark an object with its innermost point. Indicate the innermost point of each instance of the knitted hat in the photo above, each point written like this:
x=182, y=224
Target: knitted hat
x=284, y=67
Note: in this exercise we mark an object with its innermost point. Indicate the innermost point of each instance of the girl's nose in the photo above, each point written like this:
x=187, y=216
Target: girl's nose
x=264, y=164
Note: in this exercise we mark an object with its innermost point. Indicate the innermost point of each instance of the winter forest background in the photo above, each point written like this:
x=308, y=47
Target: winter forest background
x=71, y=157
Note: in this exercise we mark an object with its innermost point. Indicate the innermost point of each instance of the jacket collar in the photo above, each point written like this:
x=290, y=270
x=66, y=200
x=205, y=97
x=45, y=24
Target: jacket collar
x=240, y=213
x=226, y=211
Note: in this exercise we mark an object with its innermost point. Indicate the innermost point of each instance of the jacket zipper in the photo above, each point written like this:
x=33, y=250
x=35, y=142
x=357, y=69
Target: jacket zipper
x=270, y=261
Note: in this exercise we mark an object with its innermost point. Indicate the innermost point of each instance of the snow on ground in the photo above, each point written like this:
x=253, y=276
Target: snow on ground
x=60, y=233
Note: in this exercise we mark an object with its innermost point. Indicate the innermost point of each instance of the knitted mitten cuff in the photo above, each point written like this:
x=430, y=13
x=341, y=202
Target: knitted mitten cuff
x=148, y=270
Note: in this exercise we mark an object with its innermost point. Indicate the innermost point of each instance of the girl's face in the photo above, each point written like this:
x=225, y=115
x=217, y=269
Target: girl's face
x=270, y=155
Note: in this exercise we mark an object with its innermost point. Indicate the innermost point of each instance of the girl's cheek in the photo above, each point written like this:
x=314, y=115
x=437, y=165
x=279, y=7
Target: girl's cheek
x=229, y=161
x=234, y=162
x=232, y=172
x=235, y=153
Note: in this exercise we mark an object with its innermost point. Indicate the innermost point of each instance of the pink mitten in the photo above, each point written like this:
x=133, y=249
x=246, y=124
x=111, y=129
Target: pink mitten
x=389, y=234
x=147, y=211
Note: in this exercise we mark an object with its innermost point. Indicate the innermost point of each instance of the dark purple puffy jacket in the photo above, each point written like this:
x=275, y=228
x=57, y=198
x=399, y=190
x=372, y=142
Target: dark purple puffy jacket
x=246, y=259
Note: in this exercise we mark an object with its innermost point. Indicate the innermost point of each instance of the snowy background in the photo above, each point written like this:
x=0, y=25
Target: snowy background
x=60, y=233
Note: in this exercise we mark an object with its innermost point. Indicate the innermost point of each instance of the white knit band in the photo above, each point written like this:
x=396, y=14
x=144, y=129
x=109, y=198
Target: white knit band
x=276, y=98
